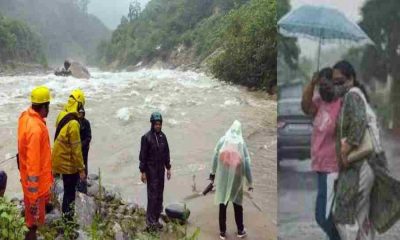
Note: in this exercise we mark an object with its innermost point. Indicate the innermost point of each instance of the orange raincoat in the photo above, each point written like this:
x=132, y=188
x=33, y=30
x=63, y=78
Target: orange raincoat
x=34, y=156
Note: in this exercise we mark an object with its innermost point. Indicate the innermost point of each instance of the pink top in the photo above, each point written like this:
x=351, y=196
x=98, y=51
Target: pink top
x=323, y=142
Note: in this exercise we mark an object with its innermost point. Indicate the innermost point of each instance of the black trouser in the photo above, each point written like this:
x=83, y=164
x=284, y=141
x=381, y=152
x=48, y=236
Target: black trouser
x=238, y=217
x=85, y=154
x=82, y=185
x=31, y=234
x=70, y=182
x=155, y=190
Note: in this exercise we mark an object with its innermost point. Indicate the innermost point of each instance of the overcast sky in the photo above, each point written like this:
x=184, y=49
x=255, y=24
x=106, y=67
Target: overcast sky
x=111, y=11
x=352, y=10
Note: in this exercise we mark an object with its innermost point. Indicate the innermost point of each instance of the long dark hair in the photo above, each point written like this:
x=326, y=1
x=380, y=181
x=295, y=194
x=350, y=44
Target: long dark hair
x=348, y=71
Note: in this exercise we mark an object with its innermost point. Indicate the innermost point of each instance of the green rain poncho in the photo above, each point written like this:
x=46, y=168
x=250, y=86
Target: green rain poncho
x=231, y=165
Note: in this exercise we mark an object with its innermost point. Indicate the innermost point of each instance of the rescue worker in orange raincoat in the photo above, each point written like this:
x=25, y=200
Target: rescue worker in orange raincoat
x=35, y=159
x=67, y=151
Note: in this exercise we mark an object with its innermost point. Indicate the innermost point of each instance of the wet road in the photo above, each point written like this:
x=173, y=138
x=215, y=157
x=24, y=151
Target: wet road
x=297, y=195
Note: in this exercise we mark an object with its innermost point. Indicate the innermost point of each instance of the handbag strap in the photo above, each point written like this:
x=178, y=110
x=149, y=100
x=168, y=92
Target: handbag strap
x=342, y=116
x=375, y=141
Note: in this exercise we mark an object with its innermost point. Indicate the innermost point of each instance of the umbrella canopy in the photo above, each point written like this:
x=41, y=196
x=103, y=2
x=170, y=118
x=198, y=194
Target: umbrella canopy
x=322, y=24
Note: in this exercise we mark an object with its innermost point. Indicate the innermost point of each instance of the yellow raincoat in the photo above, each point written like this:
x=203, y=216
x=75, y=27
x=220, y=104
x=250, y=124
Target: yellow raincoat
x=67, y=151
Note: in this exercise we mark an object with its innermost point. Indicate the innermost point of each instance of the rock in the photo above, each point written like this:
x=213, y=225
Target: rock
x=112, y=195
x=83, y=235
x=110, y=212
x=122, y=209
x=85, y=209
x=114, y=206
x=15, y=200
x=118, y=232
x=136, y=218
x=119, y=216
x=109, y=195
x=127, y=224
x=128, y=218
x=93, y=189
x=52, y=217
x=132, y=207
x=170, y=228
x=177, y=211
x=93, y=176
x=79, y=71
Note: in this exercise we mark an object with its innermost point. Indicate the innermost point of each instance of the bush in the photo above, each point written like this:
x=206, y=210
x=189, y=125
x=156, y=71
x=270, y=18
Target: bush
x=249, y=48
x=12, y=224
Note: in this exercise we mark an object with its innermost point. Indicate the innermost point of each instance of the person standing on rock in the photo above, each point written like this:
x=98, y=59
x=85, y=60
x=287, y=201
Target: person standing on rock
x=34, y=156
x=154, y=159
x=86, y=137
x=66, y=71
x=230, y=167
x=67, y=151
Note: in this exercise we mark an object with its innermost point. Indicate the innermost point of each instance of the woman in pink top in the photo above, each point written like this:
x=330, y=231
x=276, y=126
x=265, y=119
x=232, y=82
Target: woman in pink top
x=324, y=108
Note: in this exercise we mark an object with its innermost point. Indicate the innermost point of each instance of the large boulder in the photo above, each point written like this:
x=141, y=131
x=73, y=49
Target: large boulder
x=75, y=69
x=79, y=71
x=85, y=209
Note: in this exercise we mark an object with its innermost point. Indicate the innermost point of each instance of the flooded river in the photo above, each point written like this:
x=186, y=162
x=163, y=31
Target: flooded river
x=197, y=111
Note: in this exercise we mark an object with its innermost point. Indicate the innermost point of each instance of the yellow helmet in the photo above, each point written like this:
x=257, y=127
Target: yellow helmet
x=78, y=95
x=40, y=95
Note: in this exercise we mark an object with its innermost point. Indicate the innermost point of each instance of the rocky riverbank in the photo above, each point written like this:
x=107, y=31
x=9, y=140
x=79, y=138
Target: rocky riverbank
x=101, y=214
x=12, y=68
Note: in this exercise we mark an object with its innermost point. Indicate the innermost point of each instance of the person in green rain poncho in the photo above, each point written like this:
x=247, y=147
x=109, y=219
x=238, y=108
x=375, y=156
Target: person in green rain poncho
x=230, y=169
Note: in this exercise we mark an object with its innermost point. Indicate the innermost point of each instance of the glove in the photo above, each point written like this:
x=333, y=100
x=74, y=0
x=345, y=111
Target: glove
x=212, y=177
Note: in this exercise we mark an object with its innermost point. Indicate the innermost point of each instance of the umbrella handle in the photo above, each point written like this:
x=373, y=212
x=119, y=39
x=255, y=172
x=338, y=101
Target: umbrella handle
x=319, y=53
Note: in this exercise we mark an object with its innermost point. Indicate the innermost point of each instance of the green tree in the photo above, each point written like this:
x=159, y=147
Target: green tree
x=287, y=47
x=19, y=43
x=249, y=49
x=134, y=10
x=381, y=21
x=83, y=5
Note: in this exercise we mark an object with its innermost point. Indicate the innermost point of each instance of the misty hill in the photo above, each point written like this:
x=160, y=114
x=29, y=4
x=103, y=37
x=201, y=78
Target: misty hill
x=64, y=27
x=236, y=39
x=110, y=12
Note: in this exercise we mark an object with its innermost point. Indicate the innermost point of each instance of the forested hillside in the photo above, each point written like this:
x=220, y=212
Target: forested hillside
x=236, y=39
